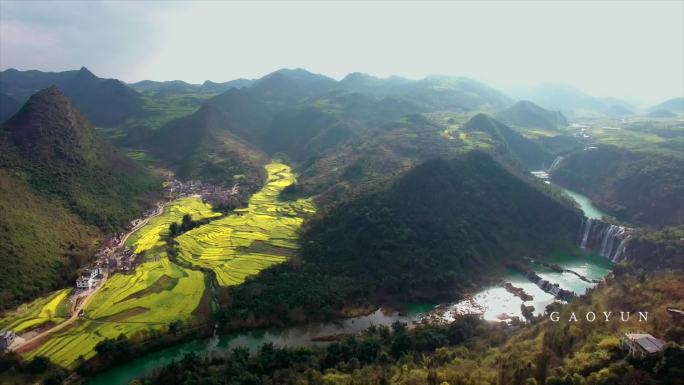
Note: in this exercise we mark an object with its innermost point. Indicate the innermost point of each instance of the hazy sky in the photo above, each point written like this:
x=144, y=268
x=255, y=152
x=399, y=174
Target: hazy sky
x=629, y=49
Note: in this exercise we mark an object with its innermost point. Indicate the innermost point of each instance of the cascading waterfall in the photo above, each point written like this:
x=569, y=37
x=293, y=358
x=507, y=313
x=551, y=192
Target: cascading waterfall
x=585, y=232
x=555, y=164
x=608, y=240
x=620, y=251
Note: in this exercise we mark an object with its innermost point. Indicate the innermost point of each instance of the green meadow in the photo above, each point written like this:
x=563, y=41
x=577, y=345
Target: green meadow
x=250, y=239
x=149, y=238
x=160, y=292
x=53, y=308
x=163, y=107
x=156, y=295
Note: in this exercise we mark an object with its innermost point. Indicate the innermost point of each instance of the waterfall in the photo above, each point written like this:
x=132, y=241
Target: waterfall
x=585, y=236
x=608, y=240
x=605, y=239
x=620, y=251
x=555, y=164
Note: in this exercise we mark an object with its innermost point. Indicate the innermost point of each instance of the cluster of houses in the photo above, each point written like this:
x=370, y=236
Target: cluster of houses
x=208, y=192
x=108, y=257
x=89, y=279
x=6, y=339
x=123, y=261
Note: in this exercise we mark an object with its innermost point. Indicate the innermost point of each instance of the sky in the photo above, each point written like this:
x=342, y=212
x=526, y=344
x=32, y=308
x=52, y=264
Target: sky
x=629, y=49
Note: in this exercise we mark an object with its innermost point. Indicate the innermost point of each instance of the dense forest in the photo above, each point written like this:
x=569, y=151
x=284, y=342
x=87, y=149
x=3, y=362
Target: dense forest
x=470, y=351
x=643, y=188
x=404, y=243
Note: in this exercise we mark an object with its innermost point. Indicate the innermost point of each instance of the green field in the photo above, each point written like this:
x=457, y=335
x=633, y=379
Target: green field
x=161, y=108
x=156, y=295
x=160, y=292
x=149, y=237
x=53, y=308
x=252, y=238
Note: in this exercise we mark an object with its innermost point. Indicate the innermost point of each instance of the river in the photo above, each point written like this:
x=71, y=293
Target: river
x=494, y=303
x=297, y=336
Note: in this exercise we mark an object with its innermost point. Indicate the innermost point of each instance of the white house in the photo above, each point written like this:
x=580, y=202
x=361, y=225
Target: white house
x=83, y=283
x=6, y=339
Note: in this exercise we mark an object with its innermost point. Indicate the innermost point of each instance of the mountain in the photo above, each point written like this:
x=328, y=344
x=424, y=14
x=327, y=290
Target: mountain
x=62, y=187
x=508, y=141
x=200, y=146
x=559, y=97
x=674, y=105
x=437, y=229
x=527, y=114
x=301, y=114
x=433, y=226
x=372, y=160
x=618, y=111
x=179, y=86
x=572, y=100
x=209, y=86
x=165, y=86
x=105, y=102
x=661, y=113
x=292, y=84
x=289, y=112
x=8, y=106
x=433, y=92
x=643, y=188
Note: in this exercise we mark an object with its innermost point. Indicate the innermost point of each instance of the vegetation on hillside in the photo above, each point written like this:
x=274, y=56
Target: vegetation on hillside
x=527, y=114
x=436, y=231
x=472, y=352
x=642, y=188
x=508, y=142
x=61, y=187
x=249, y=239
x=106, y=102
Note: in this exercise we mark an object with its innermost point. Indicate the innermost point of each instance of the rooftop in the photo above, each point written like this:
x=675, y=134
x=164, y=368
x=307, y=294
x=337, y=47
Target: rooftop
x=646, y=342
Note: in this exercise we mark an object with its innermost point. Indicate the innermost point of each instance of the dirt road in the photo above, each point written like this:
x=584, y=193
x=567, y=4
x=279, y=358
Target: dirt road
x=28, y=344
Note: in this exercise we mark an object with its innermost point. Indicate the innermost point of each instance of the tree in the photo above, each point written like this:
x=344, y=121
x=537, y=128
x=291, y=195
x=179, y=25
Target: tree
x=186, y=223
x=39, y=364
x=174, y=229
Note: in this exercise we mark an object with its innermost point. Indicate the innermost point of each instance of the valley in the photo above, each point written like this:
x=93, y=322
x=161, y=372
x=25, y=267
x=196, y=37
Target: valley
x=300, y=211
x=159, y=292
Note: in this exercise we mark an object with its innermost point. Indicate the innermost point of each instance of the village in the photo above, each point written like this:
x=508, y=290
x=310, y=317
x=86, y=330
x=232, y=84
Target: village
x=114, y=256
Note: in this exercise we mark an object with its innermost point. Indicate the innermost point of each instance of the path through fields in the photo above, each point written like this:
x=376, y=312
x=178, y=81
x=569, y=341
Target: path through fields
x=24, y=345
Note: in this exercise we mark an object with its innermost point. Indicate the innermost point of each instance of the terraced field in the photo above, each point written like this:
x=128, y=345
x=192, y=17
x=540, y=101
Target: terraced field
x=149, y=237
x=251, y=239
x=160, y=292
x=53, y=308
x=156, y=295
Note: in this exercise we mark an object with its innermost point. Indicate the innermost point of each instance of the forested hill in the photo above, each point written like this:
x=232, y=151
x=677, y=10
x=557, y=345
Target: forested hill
x=302, y=115
x=643, y=188
x=440, y=223
x=437, y=231
x=61, y=186
x=527, y=114
x=508, y=142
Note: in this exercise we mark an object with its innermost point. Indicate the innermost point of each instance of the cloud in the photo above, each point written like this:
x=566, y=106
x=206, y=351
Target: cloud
x=620, y=48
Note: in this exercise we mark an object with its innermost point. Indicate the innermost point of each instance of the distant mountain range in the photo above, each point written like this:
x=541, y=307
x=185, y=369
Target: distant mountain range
x=527, y=114
x=301, y=114
x=181, y=86
x=105, y=102
x=675, y=106
x=569, y=99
